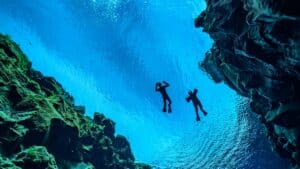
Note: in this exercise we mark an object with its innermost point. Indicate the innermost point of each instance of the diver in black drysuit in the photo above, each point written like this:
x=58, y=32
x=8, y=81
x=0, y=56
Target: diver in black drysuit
x=196, y=102
x=162, y=89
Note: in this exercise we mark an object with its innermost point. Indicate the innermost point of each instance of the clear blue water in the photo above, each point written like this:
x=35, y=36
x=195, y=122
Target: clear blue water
x=109, y=54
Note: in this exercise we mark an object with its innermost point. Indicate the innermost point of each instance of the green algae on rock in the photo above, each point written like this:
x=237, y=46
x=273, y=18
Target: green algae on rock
x=40, y=127
x=36, y=157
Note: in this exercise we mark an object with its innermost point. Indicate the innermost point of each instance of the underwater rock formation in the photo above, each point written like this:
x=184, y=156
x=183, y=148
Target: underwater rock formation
x=41, y=128
x=256, y=52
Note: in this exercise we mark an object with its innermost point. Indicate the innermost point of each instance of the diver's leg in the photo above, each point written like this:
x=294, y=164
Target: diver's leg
x=201, y=108
x=164, y=107
x=197, y=113
x=169, y=105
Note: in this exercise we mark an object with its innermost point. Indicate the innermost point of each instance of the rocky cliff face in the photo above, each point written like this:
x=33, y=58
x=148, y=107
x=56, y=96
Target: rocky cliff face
x=40, y=127
x=256, y=52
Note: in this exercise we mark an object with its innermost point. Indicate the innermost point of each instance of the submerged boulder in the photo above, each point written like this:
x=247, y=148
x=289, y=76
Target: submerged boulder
x=41, y=127
x=109, y=125
x=123, y=148
x=36, y=157
x=256, y=52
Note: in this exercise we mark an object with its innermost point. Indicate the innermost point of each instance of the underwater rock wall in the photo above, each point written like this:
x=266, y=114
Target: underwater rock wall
x=256, y=52
x=40, y=127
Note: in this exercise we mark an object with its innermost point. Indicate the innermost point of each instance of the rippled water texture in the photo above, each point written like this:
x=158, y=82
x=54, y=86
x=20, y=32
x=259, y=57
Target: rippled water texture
x=110, y=53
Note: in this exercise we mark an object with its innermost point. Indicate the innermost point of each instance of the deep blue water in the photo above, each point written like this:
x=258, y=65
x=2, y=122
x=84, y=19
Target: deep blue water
x=109, y=53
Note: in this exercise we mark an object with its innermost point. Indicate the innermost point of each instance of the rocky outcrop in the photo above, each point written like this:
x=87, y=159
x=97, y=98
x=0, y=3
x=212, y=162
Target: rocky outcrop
x=36, y=157
x=256, y=52
x=40, y=127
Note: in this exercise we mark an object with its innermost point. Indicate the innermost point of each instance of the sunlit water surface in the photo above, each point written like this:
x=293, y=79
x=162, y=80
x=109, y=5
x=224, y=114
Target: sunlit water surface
x=109, y=54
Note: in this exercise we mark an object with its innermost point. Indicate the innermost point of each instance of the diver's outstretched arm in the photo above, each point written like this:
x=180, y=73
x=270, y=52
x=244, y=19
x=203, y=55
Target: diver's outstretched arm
x=166, y=84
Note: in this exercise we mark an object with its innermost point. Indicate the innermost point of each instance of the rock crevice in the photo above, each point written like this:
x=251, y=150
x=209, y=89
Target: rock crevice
x=256, y=52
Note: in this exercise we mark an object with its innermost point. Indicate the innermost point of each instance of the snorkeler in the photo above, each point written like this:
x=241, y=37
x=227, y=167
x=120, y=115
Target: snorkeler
x=162, y=89
x=196, y=102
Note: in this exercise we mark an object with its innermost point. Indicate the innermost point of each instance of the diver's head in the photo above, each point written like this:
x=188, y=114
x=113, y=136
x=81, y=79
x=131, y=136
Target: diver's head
x=158, y=84
x=190, y=92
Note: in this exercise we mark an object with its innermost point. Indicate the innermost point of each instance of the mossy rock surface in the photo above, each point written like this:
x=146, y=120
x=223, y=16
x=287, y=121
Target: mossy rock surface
x=39, y=122
x=7, y=164
x=36, y=157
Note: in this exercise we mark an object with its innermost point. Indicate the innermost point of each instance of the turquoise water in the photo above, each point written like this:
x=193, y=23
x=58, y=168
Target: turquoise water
x=109, y=54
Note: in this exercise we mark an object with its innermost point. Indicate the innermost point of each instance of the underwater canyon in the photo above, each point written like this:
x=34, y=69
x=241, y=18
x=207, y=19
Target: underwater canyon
x=109, y=54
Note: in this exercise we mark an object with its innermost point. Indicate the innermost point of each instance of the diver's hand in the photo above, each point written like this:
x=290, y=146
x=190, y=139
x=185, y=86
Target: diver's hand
x=187, y=99
x=166, y=84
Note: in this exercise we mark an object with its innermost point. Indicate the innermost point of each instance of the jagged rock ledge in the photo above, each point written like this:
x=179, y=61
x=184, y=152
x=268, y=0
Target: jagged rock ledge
x=40, y=127
x=256, y=52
